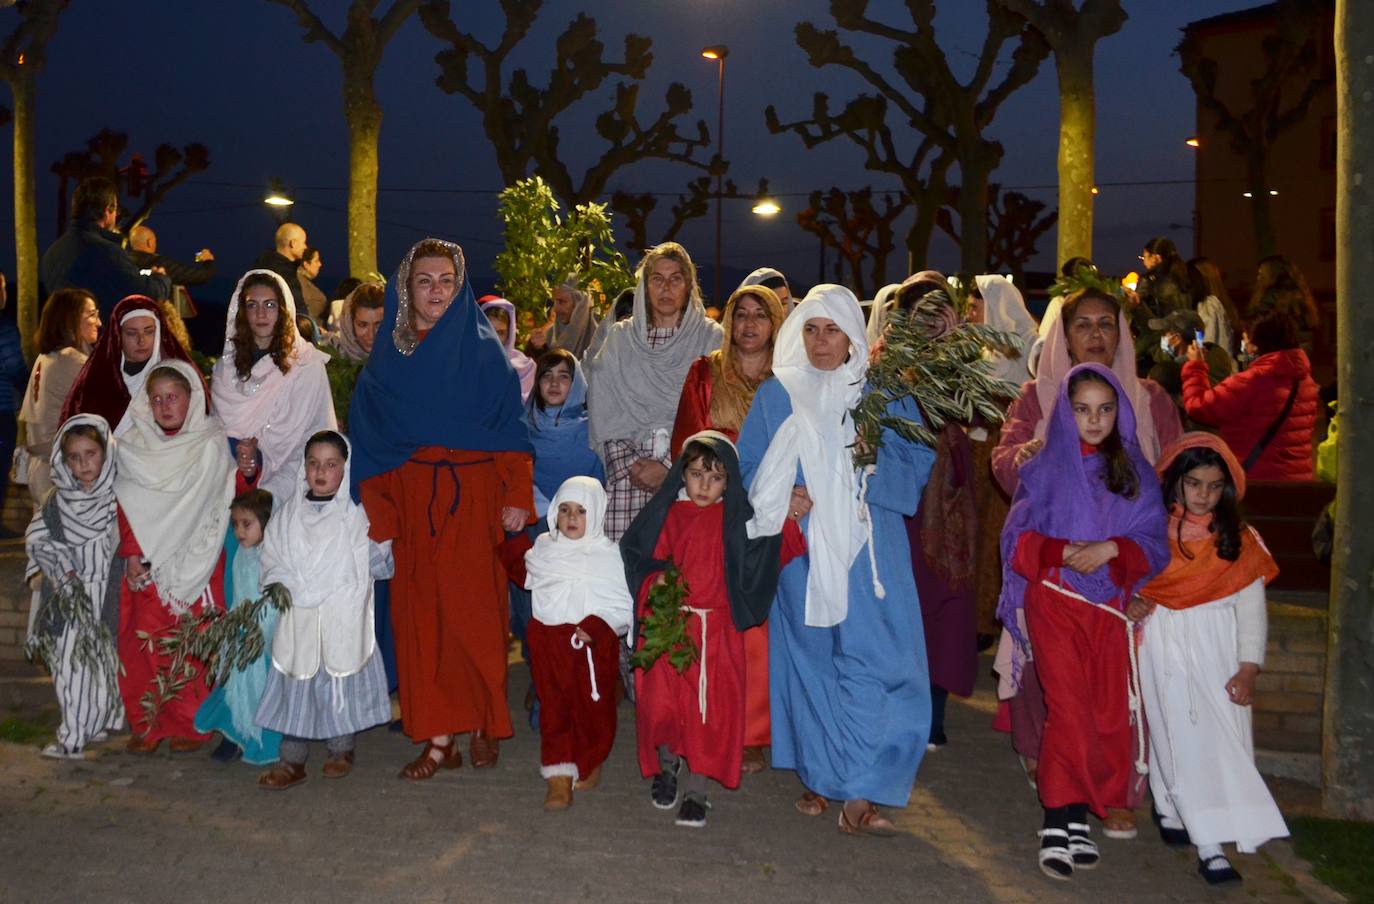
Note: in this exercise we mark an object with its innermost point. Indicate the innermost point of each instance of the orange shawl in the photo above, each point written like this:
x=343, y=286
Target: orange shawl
x=1195, y=573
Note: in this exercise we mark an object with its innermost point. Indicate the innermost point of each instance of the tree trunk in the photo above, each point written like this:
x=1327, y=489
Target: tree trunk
x=1261, y=205
x=25, y=294
x=974, y=172
x=1348, y=723
x=922, y=228
x=1077, y=136
x=364, y=118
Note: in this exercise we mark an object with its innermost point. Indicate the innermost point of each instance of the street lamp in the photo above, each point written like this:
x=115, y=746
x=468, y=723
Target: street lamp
x=279, y=199
x=767, y=207
x=718, y=52
x=1193, y=142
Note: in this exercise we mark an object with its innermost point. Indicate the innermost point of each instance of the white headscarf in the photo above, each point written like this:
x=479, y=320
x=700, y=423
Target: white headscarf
x=1004, y=309
x=576, y=335
x=633, y=389
x=175, y=491
x=87, y=516
x=817, y=435
x=134, y=382
x=523, y=365
x=319, y=552
x=281, y=409
x=765, y=274
x=877, y=313
x=344, y=340
x=572, y=579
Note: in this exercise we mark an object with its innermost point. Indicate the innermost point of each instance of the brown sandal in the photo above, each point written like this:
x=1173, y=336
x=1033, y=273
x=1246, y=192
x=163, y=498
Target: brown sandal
x=483, y=749
x=425, y=765
x=870, y=823
x=753, y=761
x=282, y=776
x=810, y=804
x=339, y=766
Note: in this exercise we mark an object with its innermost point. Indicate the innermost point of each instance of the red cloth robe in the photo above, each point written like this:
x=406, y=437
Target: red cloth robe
x=449, y=605
x=667, y=704
x=694, y=416
x=144, y=611
x=574, y=729
x=1082, y=658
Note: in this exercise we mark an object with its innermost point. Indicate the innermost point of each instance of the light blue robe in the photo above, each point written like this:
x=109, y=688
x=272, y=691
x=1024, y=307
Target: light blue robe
x=232, y=705
x=851, y=703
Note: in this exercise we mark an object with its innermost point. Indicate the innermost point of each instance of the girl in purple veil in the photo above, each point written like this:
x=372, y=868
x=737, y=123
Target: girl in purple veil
x=1086, y=528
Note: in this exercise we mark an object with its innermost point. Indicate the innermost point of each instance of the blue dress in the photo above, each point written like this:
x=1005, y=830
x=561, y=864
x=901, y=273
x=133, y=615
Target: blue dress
x=851, y=703
x=231, y=707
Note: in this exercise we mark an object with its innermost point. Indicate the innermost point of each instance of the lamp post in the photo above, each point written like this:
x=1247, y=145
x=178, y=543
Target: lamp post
x=279, y=200
x=718, y=52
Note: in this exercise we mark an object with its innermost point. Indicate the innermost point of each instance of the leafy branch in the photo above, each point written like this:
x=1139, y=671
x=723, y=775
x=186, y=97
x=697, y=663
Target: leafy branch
x=217, y=641
x=664, y=627
x=941, y=367
x=69, y=608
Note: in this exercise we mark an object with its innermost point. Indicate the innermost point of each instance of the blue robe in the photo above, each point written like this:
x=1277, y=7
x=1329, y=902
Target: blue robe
x=851, y=703
x=218, y=710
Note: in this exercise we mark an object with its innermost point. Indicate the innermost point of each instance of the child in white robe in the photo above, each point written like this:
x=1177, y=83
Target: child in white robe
x=1202, y=649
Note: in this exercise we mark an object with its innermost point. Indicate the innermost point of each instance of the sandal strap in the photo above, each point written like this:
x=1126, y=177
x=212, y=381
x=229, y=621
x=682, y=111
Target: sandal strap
x=1053, y=833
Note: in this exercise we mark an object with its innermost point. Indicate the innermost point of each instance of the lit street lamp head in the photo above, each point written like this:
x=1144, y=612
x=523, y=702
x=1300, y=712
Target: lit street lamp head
x=715, y=52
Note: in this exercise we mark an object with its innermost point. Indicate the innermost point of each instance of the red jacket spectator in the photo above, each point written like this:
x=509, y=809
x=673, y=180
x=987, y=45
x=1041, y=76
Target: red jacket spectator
x=1243, y=406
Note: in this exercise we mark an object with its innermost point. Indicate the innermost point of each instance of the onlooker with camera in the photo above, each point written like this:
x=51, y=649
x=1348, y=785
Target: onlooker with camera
x=90, y=256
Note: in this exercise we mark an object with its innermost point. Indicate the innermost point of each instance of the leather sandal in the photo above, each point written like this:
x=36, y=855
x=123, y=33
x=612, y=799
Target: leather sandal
x=870, y=823
x=142, y=744
x=282, y=776
x=339, y=766
x=811, y=804
x=185, y=745
x=483, y=749
x=753, y=761
x=424, y=766
x=1119, y=824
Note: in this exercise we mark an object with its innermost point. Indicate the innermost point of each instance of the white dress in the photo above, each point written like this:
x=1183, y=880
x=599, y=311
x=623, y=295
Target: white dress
x=1202, y=761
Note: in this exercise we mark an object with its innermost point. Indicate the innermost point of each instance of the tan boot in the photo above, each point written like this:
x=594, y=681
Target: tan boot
x=559, y=796
x=592, y=779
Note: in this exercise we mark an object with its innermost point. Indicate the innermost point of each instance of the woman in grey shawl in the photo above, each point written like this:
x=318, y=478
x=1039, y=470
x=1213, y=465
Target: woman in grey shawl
x=573, y=325
x=636, y=377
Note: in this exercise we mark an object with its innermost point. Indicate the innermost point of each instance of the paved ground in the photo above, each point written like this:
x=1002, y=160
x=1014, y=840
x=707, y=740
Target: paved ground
x=124, y=828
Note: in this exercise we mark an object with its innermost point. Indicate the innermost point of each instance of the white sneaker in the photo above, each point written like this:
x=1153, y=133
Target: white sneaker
x=56, y=751
x=100, y=737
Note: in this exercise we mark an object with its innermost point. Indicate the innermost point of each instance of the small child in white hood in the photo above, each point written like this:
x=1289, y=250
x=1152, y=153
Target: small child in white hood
x=327, y=680
x=581, y=608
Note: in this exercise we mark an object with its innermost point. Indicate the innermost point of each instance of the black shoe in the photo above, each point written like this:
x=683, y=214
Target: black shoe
x=395, y=727
x=937, y=741
x=1218, y=871
x=1175, y=838
x=692, y=813
x=663, y=792
x=226, y=752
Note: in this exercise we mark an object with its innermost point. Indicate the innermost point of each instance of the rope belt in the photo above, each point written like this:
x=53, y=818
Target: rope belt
x=452, y=468
x=701, y=666
x=1133, y=691
x=579, y=644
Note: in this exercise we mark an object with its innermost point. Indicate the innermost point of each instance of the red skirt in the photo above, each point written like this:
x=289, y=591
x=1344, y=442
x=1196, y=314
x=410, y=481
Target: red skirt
x=576, y=698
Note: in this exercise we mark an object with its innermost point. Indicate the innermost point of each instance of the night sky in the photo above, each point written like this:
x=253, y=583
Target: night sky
x=244, y=83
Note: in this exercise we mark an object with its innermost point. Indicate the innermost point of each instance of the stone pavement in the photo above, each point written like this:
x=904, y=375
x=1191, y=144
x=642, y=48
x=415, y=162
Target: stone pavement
x=151, y=829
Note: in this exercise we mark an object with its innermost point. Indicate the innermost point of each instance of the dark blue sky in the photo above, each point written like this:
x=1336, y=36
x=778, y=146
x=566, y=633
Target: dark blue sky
x=237, y=77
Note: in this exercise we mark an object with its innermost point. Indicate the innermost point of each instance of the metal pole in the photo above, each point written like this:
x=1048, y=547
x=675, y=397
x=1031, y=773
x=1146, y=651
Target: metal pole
x=720, y=158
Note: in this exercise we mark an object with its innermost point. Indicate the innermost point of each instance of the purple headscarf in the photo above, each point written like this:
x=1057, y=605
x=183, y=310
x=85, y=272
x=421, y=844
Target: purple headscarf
x=1063, y=494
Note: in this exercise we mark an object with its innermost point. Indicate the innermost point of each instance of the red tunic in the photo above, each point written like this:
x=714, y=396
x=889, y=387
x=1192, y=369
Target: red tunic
x=145, y=611
x=694, y=416
x=575, y=729
x=1082, y=659
x=448, y=600
x=667, y=704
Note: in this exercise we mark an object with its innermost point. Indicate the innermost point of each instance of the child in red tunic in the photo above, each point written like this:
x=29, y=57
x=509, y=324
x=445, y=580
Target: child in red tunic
x=691, y=724
x=581, y=607
x=1086, y=528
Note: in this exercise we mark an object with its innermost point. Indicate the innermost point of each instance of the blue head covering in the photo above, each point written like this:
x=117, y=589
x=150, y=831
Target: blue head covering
x=1062, y=493
x=559, y=437
x=455, y=389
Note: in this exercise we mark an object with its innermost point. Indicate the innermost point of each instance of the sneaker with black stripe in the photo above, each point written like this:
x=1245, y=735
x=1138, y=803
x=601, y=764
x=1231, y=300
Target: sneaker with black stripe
x=692, y=813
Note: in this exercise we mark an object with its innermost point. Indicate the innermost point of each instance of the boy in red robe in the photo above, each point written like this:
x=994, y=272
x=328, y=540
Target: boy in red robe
x=691, y=724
